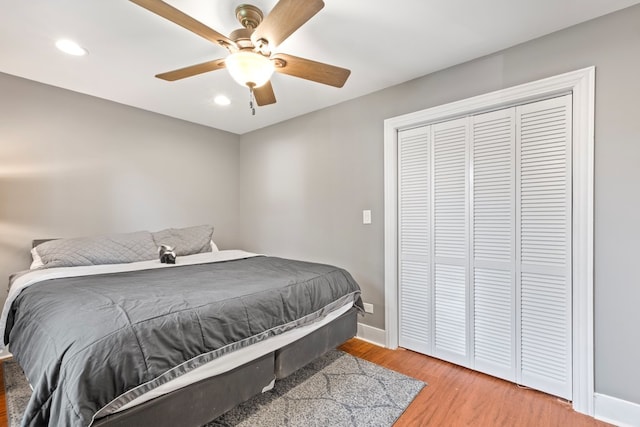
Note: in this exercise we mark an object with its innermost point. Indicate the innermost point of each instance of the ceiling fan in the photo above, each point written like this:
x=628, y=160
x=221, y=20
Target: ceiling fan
x=251, y=60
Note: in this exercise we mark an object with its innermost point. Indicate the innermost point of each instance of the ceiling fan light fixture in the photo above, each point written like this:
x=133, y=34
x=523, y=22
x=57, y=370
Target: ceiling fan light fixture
x=249, y=69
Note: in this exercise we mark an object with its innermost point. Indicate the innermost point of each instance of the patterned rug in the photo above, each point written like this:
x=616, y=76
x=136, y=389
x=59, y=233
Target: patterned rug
x=335, y=390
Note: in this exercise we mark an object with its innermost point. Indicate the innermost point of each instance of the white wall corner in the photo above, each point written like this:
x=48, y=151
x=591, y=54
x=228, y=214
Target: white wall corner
x=616, y=411
x=370, y=334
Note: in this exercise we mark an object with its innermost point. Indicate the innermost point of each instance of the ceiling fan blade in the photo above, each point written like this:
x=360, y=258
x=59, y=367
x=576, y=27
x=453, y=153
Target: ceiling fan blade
x=192, y=70
x=174, y=15
x=311, y=70
x=285, y=18
x=264, y=94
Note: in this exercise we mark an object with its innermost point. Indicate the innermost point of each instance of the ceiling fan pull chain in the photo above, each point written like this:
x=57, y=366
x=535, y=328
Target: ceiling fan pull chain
x=251, y=98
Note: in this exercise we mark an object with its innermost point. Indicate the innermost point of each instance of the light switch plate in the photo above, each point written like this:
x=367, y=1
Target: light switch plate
x=366, y=216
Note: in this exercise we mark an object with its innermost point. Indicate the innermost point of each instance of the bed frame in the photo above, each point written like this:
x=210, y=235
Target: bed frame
x=202, y=402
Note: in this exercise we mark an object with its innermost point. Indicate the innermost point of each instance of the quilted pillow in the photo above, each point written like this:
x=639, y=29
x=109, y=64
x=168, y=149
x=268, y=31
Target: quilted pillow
x=186, y=241
x=108, y=249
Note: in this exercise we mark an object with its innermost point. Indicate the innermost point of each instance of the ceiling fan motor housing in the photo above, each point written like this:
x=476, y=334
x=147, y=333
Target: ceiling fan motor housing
x=242, y=38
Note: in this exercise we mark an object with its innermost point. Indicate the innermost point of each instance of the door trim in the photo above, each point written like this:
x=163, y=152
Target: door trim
x=582, y=84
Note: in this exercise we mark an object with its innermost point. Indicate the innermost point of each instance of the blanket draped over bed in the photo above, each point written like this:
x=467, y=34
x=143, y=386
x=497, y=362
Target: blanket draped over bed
x=94, y=343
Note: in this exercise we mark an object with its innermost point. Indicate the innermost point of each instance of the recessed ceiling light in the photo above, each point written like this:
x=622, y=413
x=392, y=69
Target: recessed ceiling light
x=222, y=100
x=71, y=47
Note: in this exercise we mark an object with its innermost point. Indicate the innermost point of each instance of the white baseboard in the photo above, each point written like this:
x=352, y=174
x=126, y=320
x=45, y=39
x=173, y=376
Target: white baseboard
x=616, y=411
x=4, y=354
x=373, y=335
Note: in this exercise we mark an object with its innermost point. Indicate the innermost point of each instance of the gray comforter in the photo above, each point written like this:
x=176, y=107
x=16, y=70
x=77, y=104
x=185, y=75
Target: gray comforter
x=85, y=341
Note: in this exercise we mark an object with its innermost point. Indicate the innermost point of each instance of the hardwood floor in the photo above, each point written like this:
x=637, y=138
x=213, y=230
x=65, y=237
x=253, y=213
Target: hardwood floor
x=3, y=402
x=454, y=396
x=457, y=396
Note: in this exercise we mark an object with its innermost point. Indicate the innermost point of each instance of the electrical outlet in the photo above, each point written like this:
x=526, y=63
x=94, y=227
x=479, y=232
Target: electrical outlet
x=368, y=308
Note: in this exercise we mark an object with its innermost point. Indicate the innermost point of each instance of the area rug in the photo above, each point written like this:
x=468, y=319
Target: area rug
x=335, y=390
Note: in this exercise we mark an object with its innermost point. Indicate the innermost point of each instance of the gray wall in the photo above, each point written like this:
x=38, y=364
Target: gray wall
x=304, y=182
x=72, y=165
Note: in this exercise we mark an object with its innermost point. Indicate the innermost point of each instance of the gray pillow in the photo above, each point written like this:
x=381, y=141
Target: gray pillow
x=109, y=249
x=186, y=241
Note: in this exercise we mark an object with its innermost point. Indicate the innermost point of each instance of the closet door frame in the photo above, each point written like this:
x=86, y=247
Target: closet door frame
x=581, y=84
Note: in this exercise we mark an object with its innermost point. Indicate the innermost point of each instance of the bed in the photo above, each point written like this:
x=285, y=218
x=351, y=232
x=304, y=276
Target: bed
x=144, y=343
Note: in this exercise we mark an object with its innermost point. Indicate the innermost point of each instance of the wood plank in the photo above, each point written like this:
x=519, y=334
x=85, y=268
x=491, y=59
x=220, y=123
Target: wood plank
x=4, y=421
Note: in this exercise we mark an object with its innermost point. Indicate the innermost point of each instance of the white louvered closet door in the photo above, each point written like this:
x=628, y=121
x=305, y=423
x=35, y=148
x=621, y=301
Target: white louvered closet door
x=485, y=243
x=493, y=243
x=450, y=242
x=544, y=245
x=415, y=244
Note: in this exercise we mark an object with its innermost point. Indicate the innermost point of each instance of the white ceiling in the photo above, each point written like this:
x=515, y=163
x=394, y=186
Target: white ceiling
x=383, y=42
